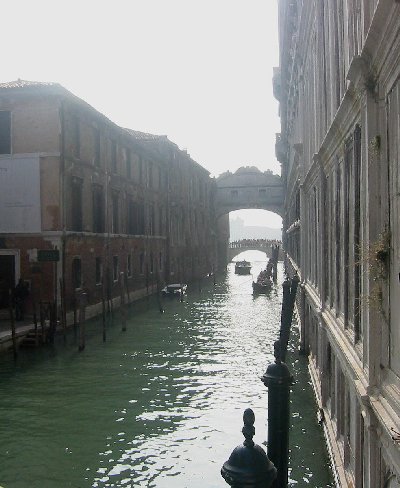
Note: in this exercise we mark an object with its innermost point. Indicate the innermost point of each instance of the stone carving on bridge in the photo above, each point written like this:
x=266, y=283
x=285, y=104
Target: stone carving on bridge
x=249, y=188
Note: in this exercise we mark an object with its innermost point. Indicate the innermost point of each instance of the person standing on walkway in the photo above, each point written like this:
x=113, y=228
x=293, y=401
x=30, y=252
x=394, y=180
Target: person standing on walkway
x=21, y=293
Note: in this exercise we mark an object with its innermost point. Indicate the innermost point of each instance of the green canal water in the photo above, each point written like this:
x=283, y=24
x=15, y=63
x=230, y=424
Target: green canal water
x=159, y=405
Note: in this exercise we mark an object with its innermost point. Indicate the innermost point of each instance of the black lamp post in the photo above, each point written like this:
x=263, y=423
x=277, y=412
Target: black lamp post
x=248, y=466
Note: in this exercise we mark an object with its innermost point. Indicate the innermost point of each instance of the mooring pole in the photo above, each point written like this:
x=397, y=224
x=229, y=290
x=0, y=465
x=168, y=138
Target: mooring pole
x=42, y=321
x=35, y=323
x=82, y=317
x=289, y=299
x=63, y=311
x=275, y=255
x=159, y=296
x=122, y=301
x=103, y=308
x=53, y=322
x=278, y=380
x=12, y=320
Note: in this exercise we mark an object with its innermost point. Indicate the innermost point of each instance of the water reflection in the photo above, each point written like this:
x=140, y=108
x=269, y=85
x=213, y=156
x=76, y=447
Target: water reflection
x=157, y=406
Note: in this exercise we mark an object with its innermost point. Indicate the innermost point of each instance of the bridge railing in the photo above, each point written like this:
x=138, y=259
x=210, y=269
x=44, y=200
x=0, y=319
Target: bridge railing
x=258, y=243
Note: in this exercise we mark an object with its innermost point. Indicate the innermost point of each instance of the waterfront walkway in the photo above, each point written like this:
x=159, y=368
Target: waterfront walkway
x=22, y=328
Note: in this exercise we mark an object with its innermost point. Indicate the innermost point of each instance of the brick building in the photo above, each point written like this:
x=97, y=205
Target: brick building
x=110, y=200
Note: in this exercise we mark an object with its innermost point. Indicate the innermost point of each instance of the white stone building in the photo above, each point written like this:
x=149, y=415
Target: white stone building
x=339, y=90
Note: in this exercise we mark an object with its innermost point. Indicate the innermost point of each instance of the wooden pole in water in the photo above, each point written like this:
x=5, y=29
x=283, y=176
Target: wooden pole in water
x=103, y=305
x=127, y=288
x=42, y=321
x=275, y=255
x=53, y=321
x=110, y=293
x=13, y=334
x=75, y=313
x=123, y=311
x=181, y=270
x=159, y=296
x=147, y=282
x=82, y=310
x=36, y=323
x=63, y=311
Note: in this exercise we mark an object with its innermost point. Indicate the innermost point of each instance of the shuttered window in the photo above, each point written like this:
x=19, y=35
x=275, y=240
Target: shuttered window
x=5, y=132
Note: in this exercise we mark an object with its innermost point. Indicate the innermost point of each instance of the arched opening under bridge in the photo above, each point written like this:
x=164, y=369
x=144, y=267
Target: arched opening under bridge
x=251, y=230
x=247, y=189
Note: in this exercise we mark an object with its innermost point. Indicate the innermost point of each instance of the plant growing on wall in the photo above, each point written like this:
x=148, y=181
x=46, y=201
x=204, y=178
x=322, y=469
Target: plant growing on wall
x=377, y=258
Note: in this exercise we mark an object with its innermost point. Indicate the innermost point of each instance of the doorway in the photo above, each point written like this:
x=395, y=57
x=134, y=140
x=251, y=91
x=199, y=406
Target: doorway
x=7, y=276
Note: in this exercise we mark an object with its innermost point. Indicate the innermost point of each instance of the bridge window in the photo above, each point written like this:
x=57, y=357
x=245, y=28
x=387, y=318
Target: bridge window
x=234, y=193
x=262, y=192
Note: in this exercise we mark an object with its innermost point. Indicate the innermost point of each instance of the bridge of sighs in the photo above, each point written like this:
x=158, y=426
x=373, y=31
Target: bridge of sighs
x=249, y=188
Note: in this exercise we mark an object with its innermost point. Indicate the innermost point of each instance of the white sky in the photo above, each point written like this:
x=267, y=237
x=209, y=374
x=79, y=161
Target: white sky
x=199, y=71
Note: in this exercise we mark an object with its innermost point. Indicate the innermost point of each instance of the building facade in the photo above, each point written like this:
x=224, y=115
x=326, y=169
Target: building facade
x=87, y=205
x=338, y=85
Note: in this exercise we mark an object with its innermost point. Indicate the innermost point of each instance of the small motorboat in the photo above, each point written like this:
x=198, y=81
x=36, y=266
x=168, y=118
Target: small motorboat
x=174, y=289
x=242, y=267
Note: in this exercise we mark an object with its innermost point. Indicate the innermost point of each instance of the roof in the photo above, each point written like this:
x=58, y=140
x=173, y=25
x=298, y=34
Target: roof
x=142, y=138
x=28, y=84
x=145, y=136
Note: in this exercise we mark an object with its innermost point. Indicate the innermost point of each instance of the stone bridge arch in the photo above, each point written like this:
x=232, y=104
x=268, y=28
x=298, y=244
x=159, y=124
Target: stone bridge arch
x=264, y=245
x=249, y=188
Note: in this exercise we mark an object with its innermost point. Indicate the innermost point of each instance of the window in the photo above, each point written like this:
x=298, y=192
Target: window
x=141, y=219
x=151, y=220
x=140, y=170
x=141, y=263
x=135, y=218
x=234, y=193
x=115, y=212
x=132, y=227
x=151, y=263
x=160, y=221
x=113, y=156
x=150, y=176
x=128, y=164
x=338, y=236
x=76, y=273
x=76, y=204
x=98, y=209
x=357, y=233
x=5, y=132
x=160, y=261
x=99, y=271
x=115, y=268
x=97, y=155
x=129, y=265
x=76, y=138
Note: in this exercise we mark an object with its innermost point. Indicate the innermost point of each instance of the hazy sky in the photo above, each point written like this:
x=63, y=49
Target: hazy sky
x=199, y=71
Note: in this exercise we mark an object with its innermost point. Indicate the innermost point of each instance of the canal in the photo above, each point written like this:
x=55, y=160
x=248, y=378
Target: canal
x=159, y=405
